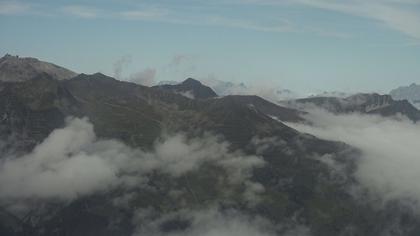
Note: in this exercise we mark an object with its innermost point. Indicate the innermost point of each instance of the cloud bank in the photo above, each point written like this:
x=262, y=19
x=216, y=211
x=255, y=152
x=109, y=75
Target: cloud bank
x=212, y=222
x=390, y=164
x=73, y=162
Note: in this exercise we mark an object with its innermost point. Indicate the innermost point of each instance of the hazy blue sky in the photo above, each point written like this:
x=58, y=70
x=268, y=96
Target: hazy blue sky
x=303, y=45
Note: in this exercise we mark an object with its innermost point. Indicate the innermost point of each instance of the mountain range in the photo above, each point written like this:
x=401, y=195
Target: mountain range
x=383, y=105
x=248, y=163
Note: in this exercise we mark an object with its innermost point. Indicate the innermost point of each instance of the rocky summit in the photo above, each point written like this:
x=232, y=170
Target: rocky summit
x=18, y=69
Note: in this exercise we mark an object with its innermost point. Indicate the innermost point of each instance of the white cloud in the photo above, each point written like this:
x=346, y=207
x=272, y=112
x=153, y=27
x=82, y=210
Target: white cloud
x=399, y=15
x=394, y=14
x=147, y=77
x=72, y=162
x=57, y=167
x=279, y=26
x=167, y=15
x=81, y=11
x=187, y=94
x=13, y=8
x=390, y=162
x=120, y=64
x=170, y=15
x=213, y=222
x=145, y=14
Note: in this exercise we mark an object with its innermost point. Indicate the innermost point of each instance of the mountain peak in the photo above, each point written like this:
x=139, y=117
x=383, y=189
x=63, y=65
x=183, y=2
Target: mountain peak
x=17, y=59
x=8, y=56
x=191, y=82
x=190, y=88
x=18, y=69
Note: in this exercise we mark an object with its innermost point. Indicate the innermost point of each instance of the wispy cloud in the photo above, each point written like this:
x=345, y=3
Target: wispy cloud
x=13, y=8
x=145, y=14
x=176, y=17
x=280, y=25
x=82, y=11
x=181, y=15
x=393, y=14
x=399, y=15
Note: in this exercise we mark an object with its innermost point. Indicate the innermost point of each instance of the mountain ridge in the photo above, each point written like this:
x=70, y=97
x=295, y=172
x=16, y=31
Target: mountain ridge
x=18, y=69
x=363, y=103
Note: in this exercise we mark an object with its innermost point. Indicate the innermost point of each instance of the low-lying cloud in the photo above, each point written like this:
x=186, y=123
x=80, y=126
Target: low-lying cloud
x=212, y=222
x=146, y=77
x=73, y=162
x=390, y=163
x=120, y=64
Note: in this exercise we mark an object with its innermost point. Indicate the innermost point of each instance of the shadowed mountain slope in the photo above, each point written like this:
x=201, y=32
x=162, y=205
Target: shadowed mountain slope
x=298, y=187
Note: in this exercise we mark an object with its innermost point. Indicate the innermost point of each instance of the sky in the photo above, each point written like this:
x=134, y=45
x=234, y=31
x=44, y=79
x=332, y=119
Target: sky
x=304, y=45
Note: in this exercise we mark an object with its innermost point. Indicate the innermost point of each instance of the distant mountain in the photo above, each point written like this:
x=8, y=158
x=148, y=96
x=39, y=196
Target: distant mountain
x=374, y=103
x=252, y=101
x=17, y=69
x=190, y=88
x=410, y=93
x=224, y=88
x=272, y=93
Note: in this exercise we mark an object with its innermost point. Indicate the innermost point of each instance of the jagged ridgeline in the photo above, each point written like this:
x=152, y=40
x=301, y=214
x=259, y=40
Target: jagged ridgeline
x=375, y=104
x=98, y=156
